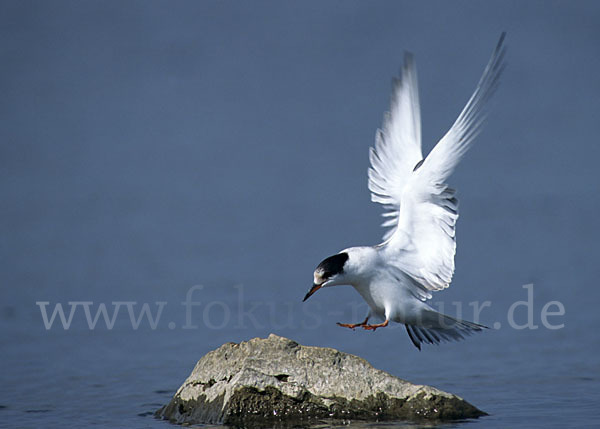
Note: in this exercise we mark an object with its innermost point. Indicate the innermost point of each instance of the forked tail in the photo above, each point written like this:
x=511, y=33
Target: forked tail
x=435, y=328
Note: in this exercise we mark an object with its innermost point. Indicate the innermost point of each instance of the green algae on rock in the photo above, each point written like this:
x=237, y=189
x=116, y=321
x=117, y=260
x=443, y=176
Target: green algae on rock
x=277, y=380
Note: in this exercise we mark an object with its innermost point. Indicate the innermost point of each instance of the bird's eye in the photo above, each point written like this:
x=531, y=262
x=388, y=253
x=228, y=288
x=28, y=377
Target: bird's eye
x=320, y=278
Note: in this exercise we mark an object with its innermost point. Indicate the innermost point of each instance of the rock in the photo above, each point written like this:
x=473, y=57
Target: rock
x=277, y=382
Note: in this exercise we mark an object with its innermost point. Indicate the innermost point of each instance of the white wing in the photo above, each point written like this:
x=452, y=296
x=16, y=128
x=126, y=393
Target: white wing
x=397, y=145
x=423, y=244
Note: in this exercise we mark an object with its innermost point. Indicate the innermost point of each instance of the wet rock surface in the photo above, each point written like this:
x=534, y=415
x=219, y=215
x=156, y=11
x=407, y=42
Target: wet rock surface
x=277, y=382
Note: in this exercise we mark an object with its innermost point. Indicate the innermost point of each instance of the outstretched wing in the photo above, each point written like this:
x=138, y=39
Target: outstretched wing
x=397, y=144
x=423, y=244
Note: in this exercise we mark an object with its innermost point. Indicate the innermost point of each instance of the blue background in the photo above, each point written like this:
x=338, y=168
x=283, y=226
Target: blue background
x=147, y=147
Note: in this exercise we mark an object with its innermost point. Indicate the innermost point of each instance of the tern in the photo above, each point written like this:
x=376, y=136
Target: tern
x=416, y=256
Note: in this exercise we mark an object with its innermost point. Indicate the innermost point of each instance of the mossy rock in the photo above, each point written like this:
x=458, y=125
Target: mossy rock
x=276, y=382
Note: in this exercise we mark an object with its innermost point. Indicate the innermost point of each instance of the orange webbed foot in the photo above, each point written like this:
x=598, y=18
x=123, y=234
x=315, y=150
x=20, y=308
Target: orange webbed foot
x=353, y=325
x=373, y=327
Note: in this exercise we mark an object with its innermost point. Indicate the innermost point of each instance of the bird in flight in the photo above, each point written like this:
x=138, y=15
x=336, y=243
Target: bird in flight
x=416, y=256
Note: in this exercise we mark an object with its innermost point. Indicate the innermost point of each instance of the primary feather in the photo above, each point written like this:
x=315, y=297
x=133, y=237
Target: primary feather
x=397, y=144
x=421, y=208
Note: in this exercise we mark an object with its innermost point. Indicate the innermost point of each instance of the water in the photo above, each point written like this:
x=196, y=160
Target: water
x=147, y=149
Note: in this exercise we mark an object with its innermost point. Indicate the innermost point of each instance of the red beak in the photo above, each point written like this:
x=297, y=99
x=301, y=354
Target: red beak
x=312, y=290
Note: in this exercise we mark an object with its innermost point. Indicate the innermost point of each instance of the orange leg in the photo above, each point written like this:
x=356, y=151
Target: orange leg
x=354, y=325
x=373, y=327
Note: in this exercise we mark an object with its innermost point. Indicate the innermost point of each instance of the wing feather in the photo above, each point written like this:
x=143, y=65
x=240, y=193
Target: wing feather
x=424, y=239
x=397, y=145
